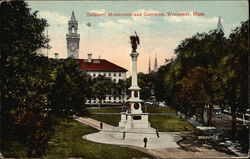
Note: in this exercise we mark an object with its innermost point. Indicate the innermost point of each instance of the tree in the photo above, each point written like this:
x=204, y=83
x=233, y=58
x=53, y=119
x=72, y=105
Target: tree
x=234, y=72
x=183, y=78
x=23, y=97
x=102, y=87
x=69, y=92
x=30, y=81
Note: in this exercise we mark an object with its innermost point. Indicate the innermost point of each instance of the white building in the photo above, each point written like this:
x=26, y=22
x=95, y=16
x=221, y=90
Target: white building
x=96, y=67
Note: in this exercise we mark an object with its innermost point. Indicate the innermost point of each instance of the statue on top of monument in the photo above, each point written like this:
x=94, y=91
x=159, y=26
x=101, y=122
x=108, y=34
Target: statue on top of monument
x=134, y=42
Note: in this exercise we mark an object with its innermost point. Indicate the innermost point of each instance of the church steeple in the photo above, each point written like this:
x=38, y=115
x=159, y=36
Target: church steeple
x=219, y=26
x=149, y=66
x=155, y=66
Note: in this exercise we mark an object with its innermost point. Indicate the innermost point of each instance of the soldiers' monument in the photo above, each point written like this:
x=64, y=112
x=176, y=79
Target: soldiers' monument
x=134, y=122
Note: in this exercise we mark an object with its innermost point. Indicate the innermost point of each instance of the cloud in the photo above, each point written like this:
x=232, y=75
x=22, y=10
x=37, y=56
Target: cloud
x=110, y=24
x=54, y=17
x=194, y=20
x=97, y=11
x=125, y=21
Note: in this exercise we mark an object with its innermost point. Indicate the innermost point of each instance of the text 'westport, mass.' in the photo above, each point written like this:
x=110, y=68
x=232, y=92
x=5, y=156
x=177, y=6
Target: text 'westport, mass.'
x=112, y=14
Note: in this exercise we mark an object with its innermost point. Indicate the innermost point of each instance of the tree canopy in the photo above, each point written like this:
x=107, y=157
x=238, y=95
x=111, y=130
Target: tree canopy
x=35, y=89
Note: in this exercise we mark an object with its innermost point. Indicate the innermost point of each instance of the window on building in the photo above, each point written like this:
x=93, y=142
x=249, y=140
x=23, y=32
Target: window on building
x=94, y=74
x=104, y=74
x=114, y=74
x=115, y=80
x=109, y=97
x=109, y=74
x=120, y=74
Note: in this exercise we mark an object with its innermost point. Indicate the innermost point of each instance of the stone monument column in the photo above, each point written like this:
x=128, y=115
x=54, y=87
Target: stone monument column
x=135, y=100
x=134, y=56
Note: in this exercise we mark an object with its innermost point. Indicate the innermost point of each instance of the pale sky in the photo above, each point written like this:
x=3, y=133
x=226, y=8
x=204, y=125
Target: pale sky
x=108, y=37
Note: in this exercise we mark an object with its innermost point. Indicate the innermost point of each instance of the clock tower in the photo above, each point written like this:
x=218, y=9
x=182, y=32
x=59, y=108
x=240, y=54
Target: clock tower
x=73, y=38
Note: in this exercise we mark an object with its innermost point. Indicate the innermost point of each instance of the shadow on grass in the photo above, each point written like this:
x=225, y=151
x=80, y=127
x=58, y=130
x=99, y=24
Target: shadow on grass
x=191, y=142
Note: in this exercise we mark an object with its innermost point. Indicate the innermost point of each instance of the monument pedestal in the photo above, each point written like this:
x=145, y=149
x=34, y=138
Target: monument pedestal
x=132, y=133
x=134, y=121
x=134, y=126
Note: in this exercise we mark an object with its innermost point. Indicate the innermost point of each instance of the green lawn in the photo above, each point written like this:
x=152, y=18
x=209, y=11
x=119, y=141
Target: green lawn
x=160, y=110
x=105, y=110
x=167, y=123
x=107, y=118
x=14, y=149
x=67, y=142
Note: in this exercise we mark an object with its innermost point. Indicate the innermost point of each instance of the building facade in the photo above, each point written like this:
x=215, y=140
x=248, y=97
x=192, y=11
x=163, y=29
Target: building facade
x=94, y=67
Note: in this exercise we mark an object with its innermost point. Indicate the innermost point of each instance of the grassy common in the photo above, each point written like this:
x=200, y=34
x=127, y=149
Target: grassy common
x=167, y=123
x=67, y=142
x=107, y=118
x=15, y=149
x=105, y=110
x=67, y=139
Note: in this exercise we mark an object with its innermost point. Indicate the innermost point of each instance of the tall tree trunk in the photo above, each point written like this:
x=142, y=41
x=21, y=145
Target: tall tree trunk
x=202, y=115
x=209, y=114
x=68, y=118
x=234, y=126
x=99, y=103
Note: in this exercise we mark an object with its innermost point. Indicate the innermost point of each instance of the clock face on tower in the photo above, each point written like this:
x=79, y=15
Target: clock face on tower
x=72, y=48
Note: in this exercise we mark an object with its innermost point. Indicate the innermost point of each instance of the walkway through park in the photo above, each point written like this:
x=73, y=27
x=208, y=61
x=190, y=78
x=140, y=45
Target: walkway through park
x=94, y=123
x=188, y=147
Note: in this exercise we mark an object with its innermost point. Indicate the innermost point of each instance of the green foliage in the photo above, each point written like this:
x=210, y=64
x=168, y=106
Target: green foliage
x=29, y=80
x=209, y=69
x=25, y=79
x=68, y=94
x=21, y=31
x=101, y=86
x=145, y=82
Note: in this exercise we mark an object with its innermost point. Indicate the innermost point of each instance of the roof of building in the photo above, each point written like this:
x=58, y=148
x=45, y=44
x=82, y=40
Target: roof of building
x=100, y=65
